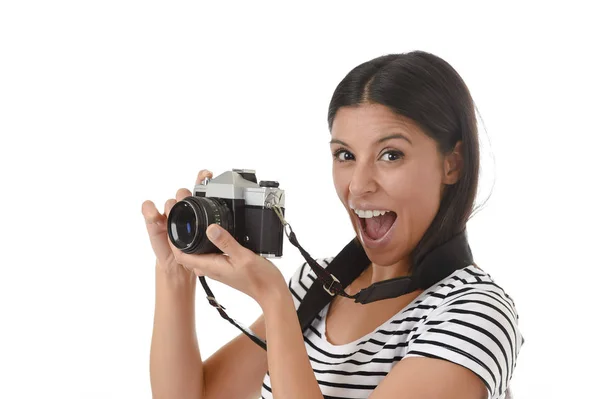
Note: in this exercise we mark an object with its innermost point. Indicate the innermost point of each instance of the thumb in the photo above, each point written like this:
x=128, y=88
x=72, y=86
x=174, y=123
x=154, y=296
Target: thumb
x=225, y=242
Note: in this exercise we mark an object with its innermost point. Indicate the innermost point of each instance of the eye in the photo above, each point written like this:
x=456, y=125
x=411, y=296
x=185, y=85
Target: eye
x=392, y=155
x=342, y=156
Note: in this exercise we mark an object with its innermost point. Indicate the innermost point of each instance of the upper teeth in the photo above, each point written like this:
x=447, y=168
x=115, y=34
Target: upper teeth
x=368, y=214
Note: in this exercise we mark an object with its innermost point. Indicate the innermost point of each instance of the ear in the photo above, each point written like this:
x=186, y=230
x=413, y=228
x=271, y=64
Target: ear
x=453, y=164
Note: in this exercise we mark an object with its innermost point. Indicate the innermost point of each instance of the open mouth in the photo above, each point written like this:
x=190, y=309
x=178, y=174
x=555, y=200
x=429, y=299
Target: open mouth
x=377, y=227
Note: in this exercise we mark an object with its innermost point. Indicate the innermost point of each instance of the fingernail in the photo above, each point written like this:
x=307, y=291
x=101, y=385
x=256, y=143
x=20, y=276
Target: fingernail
x=213, y=232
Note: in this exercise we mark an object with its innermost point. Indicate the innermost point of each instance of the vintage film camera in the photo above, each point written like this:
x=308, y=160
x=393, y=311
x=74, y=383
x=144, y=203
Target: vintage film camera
x=236, y=202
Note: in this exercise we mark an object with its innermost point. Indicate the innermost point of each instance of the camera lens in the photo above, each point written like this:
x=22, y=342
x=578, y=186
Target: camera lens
x=189, y=219
x=183, y=224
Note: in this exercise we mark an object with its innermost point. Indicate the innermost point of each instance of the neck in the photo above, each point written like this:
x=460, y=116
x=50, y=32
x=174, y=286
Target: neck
x=375, y=273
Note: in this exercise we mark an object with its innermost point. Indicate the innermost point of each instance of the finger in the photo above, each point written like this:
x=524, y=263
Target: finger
x=203, y=174
x=151, y=214
x=176, y=252
x=226, y=243
x=214, y=266
x=183, y=193
x=168, y=205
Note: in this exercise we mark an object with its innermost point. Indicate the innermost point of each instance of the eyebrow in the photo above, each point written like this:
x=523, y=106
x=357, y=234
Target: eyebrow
x=381, y=140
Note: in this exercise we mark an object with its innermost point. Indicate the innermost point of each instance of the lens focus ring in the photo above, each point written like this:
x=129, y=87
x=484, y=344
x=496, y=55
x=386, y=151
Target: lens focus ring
x=189, y=219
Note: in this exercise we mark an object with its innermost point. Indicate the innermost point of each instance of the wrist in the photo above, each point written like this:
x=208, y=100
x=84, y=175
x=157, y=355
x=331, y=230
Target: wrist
x=177, y=276
x=275, y=295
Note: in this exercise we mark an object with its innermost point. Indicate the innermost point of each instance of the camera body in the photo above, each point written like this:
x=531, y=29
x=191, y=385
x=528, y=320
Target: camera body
x=240, y=205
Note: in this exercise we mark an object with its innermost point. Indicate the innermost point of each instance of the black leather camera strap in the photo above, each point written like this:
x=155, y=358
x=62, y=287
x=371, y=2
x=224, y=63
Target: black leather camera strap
x=349, y=264
x=352, y=261
x=221, y=309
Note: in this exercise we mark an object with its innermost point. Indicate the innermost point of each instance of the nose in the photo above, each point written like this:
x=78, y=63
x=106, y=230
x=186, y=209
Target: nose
x=362, y=182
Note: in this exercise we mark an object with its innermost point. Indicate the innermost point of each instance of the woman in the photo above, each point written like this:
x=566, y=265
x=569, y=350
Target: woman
x=405, y=167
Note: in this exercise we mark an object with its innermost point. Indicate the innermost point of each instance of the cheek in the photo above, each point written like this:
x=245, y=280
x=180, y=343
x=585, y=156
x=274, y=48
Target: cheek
x=429, y=197
x=419, y=191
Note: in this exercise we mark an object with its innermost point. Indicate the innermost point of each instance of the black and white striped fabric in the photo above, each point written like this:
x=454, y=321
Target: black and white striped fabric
x=466, y=319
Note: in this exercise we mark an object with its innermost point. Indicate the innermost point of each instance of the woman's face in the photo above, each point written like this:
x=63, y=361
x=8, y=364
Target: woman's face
x=383, y=162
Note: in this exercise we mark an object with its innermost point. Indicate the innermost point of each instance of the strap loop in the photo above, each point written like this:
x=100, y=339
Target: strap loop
x=333, y=281
x=214, y=303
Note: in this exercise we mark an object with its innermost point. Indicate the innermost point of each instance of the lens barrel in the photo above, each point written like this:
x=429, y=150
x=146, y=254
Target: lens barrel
x=189, y=219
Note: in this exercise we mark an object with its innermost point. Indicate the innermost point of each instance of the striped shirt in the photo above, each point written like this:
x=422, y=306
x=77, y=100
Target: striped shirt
x=466, y=319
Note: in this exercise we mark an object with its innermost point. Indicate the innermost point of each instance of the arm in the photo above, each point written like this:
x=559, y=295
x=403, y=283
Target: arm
x=291, y=373
x=468, y=347
x=175, y=362
x=237, y=369
x=176, y=367
x=426, y=378
x=257, y=277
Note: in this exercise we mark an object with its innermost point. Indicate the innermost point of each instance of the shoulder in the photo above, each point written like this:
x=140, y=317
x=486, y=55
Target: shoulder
x=473, y=288
x=474, y=324
x=303, y=278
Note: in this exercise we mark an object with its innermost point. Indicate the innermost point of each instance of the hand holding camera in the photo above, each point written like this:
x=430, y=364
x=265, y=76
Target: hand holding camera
x=156, y=224
x=249, y=228
x=227, y=228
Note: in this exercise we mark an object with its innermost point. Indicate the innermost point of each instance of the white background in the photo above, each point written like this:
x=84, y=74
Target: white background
x=106, y=104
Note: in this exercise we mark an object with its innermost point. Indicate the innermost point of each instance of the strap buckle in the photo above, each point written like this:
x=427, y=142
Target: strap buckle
x=214, y=302
x=328, y=290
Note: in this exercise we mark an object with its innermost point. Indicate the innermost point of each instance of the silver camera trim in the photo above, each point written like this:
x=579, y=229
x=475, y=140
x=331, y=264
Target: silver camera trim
x=232, y=185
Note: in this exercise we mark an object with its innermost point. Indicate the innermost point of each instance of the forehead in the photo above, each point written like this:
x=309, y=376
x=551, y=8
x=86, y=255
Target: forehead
x=371, y=120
